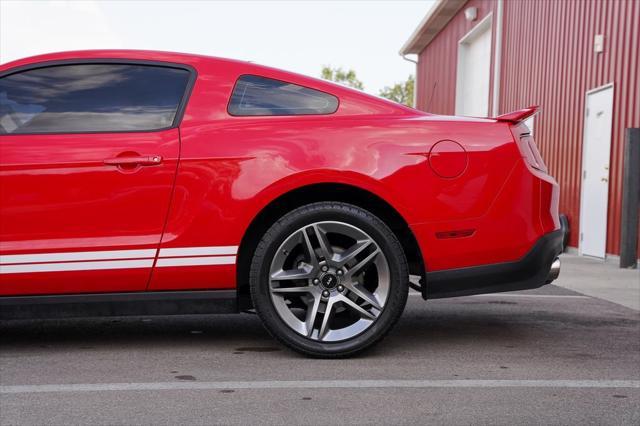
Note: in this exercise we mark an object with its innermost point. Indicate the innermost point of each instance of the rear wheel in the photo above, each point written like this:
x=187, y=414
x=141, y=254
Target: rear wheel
x=329, y=279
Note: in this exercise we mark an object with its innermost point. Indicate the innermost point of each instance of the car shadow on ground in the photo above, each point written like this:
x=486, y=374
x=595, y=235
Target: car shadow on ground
x=435, y=325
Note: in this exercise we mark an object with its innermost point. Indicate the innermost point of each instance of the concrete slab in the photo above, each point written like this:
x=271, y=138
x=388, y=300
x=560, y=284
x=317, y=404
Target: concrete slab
x=600, y=279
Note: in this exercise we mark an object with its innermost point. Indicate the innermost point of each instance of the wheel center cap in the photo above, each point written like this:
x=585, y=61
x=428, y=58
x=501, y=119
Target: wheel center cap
x=329, y=281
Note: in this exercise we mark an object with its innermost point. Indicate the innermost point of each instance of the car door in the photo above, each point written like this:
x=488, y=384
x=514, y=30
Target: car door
x=88, y=156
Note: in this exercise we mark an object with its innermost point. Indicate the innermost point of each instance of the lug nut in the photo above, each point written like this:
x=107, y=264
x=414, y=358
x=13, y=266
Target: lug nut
x=316, y=281
x=340, y=288
x=325, y=293
x=325, y=268
x=339, y=272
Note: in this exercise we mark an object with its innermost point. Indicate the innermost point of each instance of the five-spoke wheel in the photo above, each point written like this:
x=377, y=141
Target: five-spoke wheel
x=329, y=279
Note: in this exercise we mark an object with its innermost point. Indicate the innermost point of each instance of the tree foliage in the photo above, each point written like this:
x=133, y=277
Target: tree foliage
x=339, y=75
x=400, y=92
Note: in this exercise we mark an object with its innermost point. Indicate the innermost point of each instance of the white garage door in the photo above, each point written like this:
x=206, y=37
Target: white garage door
x=474, y=62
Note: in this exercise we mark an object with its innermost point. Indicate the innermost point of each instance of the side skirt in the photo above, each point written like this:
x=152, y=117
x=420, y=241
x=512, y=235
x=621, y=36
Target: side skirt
x=119, y=304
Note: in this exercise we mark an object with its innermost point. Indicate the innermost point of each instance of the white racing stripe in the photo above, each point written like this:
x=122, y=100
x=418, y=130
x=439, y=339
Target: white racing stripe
x=117, y=259
x=77, y=256
x=196, y=261
x=322, y=384
x=199, y=251
x=76, y=266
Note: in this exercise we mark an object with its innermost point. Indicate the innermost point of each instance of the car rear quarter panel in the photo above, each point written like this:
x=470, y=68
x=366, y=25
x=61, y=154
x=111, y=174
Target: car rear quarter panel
x=232, y=167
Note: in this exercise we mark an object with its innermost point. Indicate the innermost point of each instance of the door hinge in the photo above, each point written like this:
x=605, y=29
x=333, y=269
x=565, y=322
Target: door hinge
x=584, y=174
x=587, y=112
x=581, y=236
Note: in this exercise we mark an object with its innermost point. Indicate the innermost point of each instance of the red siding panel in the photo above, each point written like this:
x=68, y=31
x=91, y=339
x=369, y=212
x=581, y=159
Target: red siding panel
x=548, y=59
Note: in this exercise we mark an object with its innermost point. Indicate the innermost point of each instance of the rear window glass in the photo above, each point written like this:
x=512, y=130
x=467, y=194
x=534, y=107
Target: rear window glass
x=91, y=98
x=255, y=95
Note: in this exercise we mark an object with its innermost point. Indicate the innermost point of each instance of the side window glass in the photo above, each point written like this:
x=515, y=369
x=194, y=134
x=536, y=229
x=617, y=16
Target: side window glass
x=91, y=98
x=255, y=95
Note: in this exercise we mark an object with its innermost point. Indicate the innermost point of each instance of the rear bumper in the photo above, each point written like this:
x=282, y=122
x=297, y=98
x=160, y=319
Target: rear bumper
x=533, y=270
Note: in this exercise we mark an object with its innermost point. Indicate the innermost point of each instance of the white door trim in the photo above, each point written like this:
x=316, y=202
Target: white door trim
x=598, y=89
x=582, y=168
x=480, y=26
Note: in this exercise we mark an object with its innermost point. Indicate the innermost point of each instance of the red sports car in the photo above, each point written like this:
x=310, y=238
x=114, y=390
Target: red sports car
x=153, y=183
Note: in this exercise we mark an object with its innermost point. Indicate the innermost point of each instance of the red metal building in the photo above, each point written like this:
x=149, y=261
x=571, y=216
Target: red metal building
x=577, y=59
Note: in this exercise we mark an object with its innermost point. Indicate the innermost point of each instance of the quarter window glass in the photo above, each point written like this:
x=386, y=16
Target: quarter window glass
x=255, y=95
x=91, y=98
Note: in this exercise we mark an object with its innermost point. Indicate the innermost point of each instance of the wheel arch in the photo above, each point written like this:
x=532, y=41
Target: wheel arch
x=318, y=192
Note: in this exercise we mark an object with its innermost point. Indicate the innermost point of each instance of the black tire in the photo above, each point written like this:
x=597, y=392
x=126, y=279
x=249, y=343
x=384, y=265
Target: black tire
x=383, y=237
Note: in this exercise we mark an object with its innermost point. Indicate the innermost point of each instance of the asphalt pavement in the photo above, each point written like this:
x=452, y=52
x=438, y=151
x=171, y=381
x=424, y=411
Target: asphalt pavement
x=549, y=356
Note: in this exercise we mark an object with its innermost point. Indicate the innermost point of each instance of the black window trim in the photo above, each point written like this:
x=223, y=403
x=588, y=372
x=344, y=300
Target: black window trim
x=279, y=115
x=182, y=106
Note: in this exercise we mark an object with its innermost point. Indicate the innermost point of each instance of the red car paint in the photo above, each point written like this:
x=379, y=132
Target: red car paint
x=472, y=200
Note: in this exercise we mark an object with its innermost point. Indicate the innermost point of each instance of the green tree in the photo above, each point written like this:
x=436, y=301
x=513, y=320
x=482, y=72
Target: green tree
x=339, y=75
x=400, y=92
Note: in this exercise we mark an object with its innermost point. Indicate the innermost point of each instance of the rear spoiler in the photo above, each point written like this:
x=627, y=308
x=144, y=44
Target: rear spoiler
x=519, y=115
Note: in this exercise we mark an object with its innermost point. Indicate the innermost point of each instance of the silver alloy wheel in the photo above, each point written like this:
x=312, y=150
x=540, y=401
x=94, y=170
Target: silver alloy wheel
x=329, y=281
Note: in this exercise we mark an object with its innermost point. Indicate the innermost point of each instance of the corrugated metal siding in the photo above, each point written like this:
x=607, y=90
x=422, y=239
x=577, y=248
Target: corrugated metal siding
x=548, y=59
x=551, y=43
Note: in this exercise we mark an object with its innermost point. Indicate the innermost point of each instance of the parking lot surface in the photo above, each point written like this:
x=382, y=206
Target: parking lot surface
x=550, y=356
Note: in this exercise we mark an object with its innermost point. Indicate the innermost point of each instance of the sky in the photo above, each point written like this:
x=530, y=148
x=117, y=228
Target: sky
x=299, y=36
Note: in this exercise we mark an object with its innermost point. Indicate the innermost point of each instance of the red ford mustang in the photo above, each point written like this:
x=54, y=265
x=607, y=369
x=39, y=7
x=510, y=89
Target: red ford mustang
x=152, y=183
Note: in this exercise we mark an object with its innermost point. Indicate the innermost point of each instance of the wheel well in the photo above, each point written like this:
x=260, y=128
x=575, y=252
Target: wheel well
x=312, y=194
